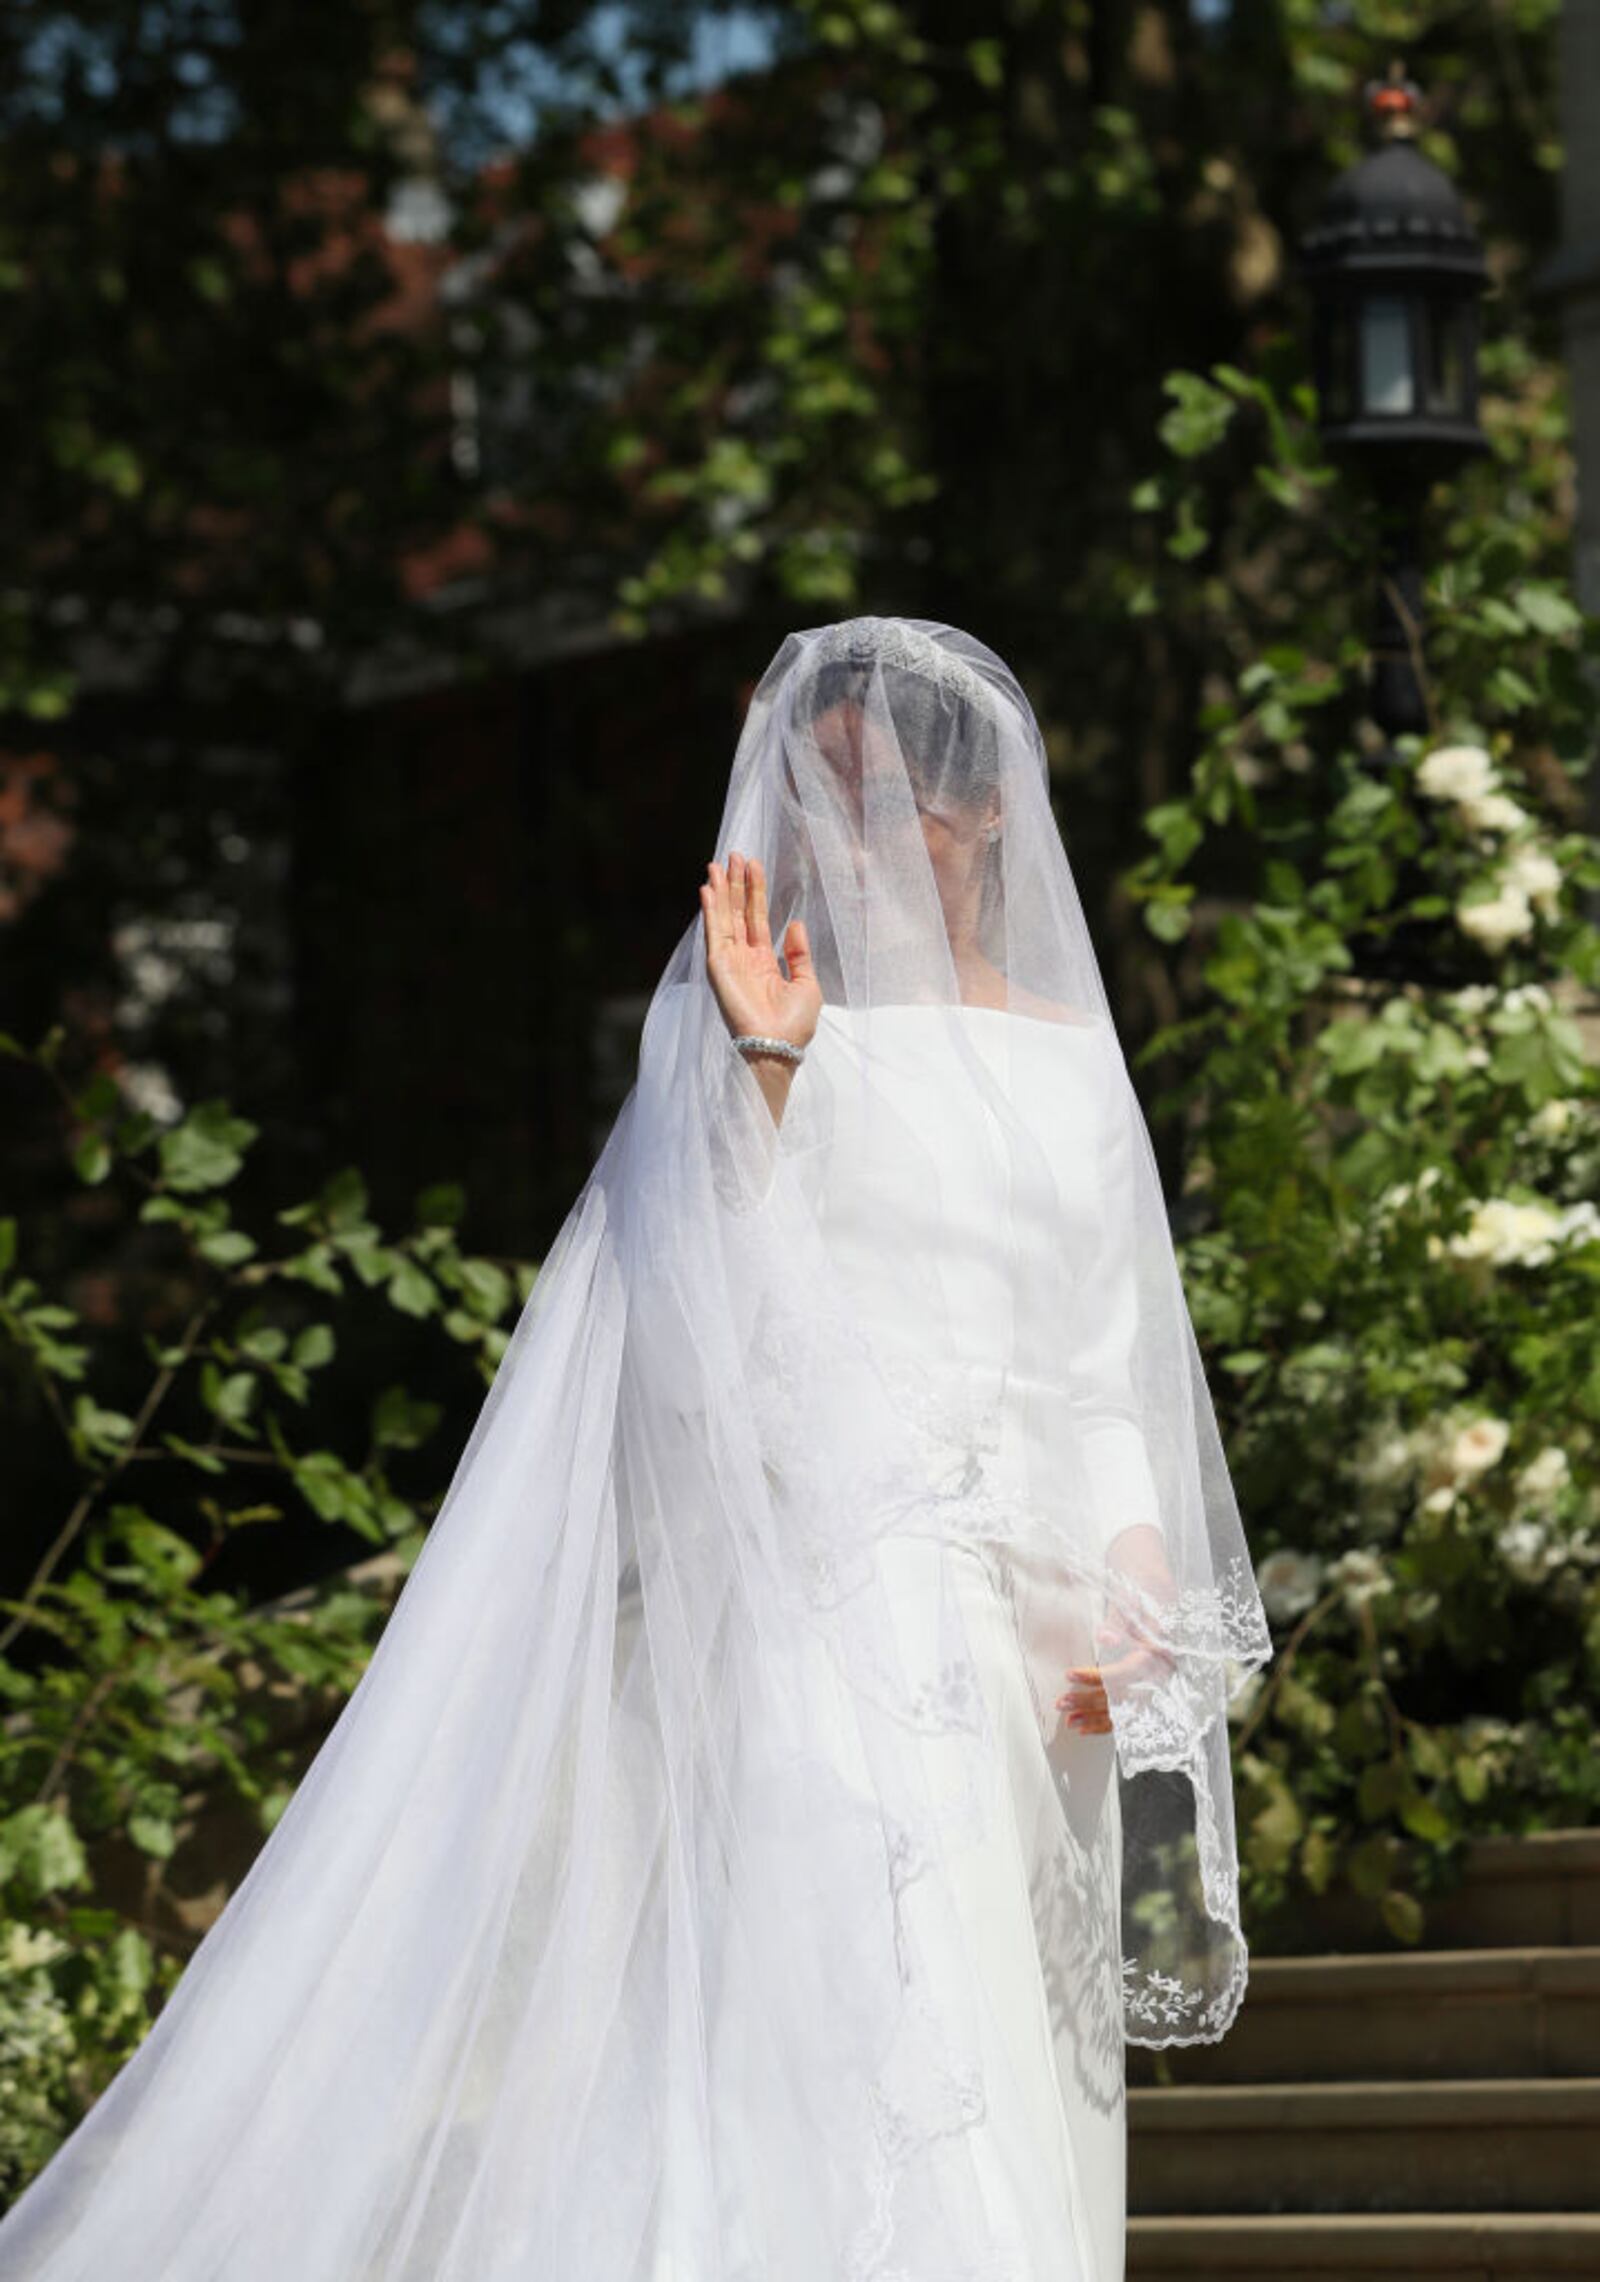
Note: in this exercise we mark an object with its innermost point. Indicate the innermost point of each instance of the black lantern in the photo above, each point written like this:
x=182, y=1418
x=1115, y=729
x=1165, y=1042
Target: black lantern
x=1395, y=270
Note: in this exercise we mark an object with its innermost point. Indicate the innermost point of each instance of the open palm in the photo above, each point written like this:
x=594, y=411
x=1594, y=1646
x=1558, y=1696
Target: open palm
x=751, y=987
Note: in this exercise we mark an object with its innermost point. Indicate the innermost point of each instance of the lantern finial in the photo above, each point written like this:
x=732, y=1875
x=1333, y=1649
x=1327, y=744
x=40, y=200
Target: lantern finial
x=1392, y=104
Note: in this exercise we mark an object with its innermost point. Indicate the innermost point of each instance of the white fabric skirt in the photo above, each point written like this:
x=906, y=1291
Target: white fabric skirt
x=1028, y=1957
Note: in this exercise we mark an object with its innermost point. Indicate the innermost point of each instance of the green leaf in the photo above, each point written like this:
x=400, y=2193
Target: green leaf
x=1402, y=1914
x=1317, y=1857
x=152, y=1834
x=1426, y=1819
x=441, y=1206
x=103, y=1432
x=230, y=1397
x=401, y=1423
x=487, y=1288
x=1176, y=830
x=207, y=1150
x=1369, y=1866
x=1381, y=1788
x=986, y=59
x=1169, y=917
x=1275, y=1831
x=413, y=1292
x=164, y=1557
x=226, y=1248
x=40, y=1850
x=1471, y=1779
x=1200, y=417
x=344, y=1199
x=1547, y=609
x=91, y=1158
x=207, y=1460
x=1361, y=1732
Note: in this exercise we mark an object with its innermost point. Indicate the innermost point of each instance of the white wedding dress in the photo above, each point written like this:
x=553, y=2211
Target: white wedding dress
x=700, y=1884
x=1037, y=1880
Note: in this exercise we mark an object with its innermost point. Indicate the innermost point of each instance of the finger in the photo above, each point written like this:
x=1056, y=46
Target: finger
x=797, y=950
x=760, y=928
x=721, y=910
x=1082, y=1692
x=737, y=896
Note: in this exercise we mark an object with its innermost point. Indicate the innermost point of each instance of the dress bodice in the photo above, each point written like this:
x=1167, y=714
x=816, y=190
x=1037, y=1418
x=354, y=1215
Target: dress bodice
x=971, y=1170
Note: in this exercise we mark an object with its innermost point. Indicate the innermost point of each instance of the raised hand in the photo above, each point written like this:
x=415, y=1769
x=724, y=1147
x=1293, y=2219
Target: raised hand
x=751, y=988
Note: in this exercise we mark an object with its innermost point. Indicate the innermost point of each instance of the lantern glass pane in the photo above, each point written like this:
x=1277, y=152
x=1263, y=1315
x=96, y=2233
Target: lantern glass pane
x=1445, y=356
x=1341, y=364
x=1388, y=384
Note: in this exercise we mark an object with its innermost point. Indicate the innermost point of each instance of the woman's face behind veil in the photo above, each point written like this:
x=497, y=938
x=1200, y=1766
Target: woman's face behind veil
x=889, y=793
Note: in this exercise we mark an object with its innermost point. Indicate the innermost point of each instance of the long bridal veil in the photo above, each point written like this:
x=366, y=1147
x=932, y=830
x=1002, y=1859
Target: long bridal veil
x=614, y=1934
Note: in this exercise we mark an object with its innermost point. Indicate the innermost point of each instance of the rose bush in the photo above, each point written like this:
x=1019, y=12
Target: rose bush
x=1391, y=1140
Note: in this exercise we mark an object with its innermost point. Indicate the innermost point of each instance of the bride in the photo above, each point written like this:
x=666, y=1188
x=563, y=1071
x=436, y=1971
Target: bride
x=797, y=1763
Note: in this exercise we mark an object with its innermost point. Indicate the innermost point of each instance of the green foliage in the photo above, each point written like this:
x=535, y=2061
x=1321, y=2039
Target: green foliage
x=135, y=1691
x=1392, y=1248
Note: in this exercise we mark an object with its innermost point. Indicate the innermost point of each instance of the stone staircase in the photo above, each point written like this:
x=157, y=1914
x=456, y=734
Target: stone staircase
x=1431, y=2114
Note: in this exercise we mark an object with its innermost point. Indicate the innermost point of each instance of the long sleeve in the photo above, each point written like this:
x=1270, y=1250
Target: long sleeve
x=1108, y=1412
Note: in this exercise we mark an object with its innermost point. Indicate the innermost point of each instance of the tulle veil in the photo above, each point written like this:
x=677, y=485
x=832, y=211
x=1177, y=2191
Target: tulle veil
x=633, y=1839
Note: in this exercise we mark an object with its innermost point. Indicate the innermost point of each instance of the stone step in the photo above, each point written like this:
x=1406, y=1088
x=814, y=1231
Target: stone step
x=1541, y=1891
x=1416, y=2014
x=1513, y=2144
x=1440, y=2247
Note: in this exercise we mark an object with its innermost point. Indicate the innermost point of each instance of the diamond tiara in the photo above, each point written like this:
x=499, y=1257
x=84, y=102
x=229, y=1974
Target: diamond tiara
x=891, y=642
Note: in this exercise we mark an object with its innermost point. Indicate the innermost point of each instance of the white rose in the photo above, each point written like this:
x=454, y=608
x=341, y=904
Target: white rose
x=1456, y=772
x=1510, y=1235
x=1477, y=1447
x=1534, y=874
x=1546, y=1476
x=1473, y=999
x=1525, y=995
x=1361, y=1577
x=1439, y=1502
x=1525, y=1550
x=1385, y=1462
x=1493, y=812
x=1497, y=921
x=1288, y=1583
x=1552, y=1120
x=1579, y=1223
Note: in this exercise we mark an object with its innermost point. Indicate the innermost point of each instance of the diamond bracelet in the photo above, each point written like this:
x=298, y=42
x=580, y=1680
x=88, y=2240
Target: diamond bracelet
x=779, y=1046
